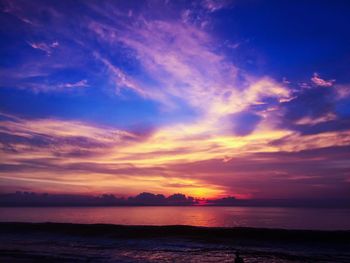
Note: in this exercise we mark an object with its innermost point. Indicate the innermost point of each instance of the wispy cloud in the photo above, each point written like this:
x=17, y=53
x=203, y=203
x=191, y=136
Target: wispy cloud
x=317, y=80
x=47, y=48
x=79, y=84
x=120, y=79
x=215, y=5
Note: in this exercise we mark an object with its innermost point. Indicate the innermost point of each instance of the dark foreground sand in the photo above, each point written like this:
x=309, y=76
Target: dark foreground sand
x=57, y=242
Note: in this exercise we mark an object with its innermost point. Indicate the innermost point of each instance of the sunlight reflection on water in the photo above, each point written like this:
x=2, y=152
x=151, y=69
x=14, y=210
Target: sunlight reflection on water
x=291, y=218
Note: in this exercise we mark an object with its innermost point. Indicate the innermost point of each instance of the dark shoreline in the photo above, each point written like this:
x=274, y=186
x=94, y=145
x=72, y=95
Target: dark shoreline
x=178, y=231
x=65, y=242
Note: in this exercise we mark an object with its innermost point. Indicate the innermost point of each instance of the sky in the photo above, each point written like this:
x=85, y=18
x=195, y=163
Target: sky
x=207, y=98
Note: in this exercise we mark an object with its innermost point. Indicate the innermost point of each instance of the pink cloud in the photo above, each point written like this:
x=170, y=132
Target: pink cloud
x=121, y=79
x=47, y=48
x=215, y=5
x=181, y=58
x=343, y=91
x=318, y=81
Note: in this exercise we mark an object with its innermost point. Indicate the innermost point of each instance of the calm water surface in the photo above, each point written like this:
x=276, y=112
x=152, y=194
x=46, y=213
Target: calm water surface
x=290, y=218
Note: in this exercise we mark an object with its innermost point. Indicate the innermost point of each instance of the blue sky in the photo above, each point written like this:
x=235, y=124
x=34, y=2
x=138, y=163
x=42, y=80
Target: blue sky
x=112, y=96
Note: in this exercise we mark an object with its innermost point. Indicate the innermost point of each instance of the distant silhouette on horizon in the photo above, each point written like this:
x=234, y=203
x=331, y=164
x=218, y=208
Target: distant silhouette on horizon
x=238, y=259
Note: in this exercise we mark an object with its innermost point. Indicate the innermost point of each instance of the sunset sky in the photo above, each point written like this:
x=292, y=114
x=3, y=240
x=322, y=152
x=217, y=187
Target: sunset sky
x=207, y=98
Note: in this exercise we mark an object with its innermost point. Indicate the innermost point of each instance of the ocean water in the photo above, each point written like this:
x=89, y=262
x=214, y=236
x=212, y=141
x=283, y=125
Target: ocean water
x=261, y=217
x=102, y=243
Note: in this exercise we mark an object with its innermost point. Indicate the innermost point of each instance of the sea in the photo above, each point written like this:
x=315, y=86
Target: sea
x=174, y=234
x=259, y=217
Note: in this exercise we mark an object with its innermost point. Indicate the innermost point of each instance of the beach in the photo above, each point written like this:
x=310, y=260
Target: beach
x=61, y=242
